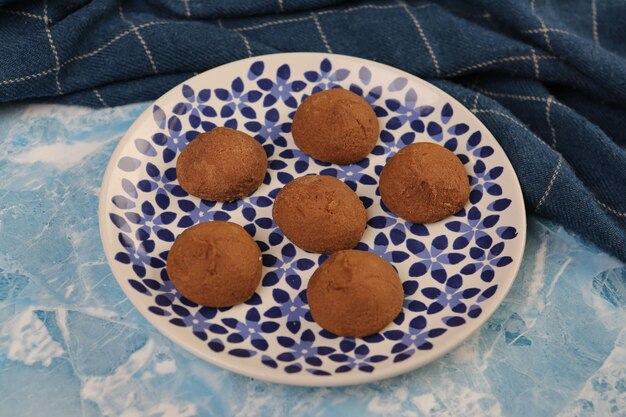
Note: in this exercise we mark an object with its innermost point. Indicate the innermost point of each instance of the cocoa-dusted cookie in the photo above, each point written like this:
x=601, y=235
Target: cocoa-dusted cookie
x=320, y=214
x=424, y=183
x=215, y=264
x=335, y=126
x=221, y=165
x=355, y=294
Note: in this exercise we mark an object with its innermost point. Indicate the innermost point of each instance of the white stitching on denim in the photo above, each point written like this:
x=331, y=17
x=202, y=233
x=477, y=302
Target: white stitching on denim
x=247, y=44
x=320, y=13
x=272, y=23
x=25, y=14
x=487, y=16
x=112, y=41
x=321, y=32
x=281, y=5
x=83, y=56
x=543, y=25
x=187, y=9
x=420, y=30
x=141, y=39
x=549, y=102
x=496, y=61
x=57, y=64
x=535, y=62
x=27, y=77
x=367, y=6
x=100, y=99
x=611, y=209
x=475, y=103
x=514, y=120
x=594, y=22
x=515, y=96
x=555, y=174
x=504, y=115
x=546, y=30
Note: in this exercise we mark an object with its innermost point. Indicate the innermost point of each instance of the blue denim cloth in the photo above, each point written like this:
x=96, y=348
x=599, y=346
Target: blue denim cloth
x=548, y=78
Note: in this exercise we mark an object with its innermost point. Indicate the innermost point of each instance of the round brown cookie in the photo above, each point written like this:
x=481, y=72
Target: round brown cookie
x=335, y=126
x=424, y=183
x=221, y=165
x=215, y=264
x=320, y=214
x=355, y=294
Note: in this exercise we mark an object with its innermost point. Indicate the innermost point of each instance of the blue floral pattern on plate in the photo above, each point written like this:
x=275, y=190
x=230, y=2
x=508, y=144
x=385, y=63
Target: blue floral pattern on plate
x=455, y=272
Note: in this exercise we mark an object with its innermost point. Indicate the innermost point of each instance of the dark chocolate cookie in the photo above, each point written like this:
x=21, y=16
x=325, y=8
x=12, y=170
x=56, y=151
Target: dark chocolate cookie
x=355, y=294
x=221, y=165
x=424, y=183
x=320, y=213
x=335, y=126
x=216, y=264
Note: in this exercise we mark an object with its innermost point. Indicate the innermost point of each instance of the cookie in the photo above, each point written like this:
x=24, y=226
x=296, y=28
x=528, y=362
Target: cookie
x=355, y=294
x=335, y=126
x=320, y=214
x=221, y=165
x=424, y=183
x=215, y=264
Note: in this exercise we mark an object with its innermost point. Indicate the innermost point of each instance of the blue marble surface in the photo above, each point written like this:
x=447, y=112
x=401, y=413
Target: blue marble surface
x=71, y=344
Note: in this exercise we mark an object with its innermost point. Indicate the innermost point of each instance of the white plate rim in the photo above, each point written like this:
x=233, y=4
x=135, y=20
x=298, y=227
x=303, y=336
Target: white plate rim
x=239, y=366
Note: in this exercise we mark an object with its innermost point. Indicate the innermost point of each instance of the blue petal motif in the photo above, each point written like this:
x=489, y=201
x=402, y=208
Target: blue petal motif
x=474, y=238
x=128, y=164
x=365, y=75
x=145, y=147
x=434, y=131
x=159, y=116
x=499, y=205
x=256, y=70
x=398, y=84
x=446, y=113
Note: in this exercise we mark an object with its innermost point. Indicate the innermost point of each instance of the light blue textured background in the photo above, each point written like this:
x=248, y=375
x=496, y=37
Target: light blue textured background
x=71, y=344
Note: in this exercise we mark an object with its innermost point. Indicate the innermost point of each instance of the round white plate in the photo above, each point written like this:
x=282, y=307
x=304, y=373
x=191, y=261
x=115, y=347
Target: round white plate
x=455, y=272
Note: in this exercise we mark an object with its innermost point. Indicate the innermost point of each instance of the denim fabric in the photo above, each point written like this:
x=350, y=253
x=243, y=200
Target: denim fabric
x=548, y=78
